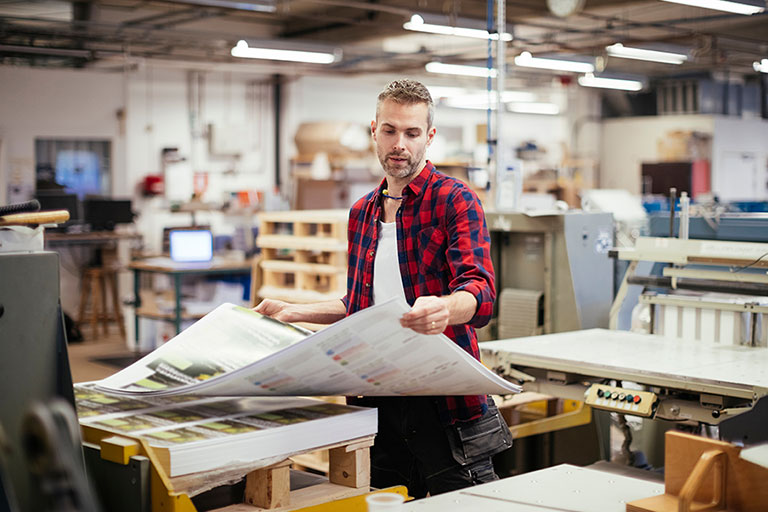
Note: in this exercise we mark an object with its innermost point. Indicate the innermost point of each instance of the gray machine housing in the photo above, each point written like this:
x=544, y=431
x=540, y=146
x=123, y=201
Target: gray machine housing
x=565, y=256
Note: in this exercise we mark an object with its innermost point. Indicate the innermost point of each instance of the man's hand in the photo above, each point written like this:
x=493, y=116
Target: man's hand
x=319, y=312
x=277, y=309
x=429, y=315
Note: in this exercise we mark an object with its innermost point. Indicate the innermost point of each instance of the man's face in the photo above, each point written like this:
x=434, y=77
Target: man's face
x=402, y=136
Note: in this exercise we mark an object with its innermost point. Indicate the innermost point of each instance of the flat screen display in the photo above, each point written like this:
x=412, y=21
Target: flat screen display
x=191, y=245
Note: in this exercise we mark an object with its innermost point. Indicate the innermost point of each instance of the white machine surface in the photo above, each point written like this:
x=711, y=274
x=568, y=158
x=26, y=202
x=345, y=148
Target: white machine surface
x=692, y=380
x=563, y=488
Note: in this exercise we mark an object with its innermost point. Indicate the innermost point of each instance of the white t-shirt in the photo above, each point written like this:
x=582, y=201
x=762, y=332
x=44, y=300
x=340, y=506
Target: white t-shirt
x=387, y=281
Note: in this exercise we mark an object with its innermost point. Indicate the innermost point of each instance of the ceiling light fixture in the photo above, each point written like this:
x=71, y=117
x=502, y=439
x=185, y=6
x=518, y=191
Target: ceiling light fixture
x=761, y=66
x=525, y=59
x=626, y=52
x=549, y=109
x=460, y=69
x=480, y=100
x=417, y=24
x=589, y=80
x=746, y=7
x=243, y=50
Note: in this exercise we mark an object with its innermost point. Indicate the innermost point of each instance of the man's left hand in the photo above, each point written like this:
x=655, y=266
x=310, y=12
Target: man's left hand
x=429, y=315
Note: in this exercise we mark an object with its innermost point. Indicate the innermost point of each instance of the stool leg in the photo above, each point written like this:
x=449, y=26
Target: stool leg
x=95, y=305
x=104, y=317
x=85, y=283
x=116, y=302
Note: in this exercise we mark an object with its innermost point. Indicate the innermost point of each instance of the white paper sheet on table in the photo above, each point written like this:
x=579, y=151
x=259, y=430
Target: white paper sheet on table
x=235, y=351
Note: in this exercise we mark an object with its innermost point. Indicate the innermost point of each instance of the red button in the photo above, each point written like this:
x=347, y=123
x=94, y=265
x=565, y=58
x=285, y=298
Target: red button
x=637, y=399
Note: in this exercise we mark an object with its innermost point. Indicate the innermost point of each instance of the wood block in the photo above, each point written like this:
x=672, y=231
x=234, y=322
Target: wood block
x=119, y=449
x=269, y=487
x=350, y=468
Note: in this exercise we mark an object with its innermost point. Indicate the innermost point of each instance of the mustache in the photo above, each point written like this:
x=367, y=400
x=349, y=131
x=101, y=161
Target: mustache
x=398, y=155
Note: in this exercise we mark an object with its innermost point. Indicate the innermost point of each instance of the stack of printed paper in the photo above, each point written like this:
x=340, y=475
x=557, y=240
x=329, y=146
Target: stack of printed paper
x=192, y=434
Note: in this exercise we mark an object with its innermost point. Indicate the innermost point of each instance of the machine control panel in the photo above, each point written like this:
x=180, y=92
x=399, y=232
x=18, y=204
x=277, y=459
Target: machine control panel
x=630, y=401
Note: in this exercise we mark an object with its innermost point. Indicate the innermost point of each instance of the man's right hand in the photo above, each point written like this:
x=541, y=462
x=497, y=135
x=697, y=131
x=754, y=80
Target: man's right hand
x=325, y=312
x=277, y=309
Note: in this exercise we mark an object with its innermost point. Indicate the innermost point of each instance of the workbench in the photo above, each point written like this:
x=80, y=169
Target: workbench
x=562, y=488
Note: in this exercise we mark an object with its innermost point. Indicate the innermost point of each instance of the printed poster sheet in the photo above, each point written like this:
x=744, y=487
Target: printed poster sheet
x=235, y=351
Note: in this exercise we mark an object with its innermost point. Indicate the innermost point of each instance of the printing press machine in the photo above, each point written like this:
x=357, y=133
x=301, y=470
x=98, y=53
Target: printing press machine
x=709, y=364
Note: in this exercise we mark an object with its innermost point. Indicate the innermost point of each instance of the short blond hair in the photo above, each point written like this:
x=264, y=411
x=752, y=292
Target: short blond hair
x=408, y=92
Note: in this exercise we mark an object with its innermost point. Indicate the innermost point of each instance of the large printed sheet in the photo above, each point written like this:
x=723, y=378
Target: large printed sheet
x=237, y=352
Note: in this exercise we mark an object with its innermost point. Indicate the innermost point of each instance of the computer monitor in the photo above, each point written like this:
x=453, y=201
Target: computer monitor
x=191, y=245
x=103, y=214
x=55, y=200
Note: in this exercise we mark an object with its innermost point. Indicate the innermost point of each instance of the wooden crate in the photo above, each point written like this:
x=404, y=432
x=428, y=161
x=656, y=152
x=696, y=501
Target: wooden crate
x=304, y=254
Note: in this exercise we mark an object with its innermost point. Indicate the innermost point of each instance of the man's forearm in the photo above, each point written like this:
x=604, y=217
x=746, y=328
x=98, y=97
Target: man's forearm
x=326, y=312
x=461, y=307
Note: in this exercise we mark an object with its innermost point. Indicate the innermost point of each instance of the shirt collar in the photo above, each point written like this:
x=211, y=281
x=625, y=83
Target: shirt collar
x=416, y=185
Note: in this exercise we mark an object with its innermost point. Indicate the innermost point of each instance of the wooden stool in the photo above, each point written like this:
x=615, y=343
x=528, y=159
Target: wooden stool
x=94, y=284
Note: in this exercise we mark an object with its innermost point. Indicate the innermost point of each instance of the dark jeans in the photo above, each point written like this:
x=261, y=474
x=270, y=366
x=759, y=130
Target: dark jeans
x=413, y=447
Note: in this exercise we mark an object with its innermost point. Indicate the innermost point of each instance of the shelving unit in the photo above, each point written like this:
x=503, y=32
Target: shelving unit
x=304, y=254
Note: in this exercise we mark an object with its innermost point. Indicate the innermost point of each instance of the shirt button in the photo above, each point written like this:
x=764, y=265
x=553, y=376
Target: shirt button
x=367, y=285
x=370, y=254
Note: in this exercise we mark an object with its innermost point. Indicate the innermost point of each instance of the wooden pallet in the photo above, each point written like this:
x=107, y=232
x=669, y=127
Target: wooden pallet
x=304, y=254
x=266, y=488
x=349, y=475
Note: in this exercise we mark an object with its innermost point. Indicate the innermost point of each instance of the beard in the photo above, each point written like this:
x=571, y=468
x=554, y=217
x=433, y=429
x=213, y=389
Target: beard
x=403, y=169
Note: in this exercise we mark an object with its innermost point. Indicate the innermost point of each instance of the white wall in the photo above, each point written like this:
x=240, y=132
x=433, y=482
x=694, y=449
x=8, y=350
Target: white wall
x=740, y=159
x=628, y=142
x=55, y=104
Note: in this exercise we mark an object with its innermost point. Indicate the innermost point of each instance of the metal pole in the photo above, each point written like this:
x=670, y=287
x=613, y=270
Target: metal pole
x=672, y=198
x=501, y=24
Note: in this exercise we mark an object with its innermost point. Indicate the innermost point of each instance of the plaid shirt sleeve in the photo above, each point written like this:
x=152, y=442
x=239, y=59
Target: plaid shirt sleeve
x=468, y=253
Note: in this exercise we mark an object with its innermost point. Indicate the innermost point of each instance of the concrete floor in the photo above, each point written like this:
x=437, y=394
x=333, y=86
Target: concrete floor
x=83, y=355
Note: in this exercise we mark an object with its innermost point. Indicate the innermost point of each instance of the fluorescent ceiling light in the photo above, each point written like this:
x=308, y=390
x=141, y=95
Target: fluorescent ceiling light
x=478, y=94
x=480, y=100
x=459, y=69
x=738, y=7
x=525, y=59
x=417, y=24
x=549, y=109
x=761, y=66
x=243, y=50
x=266, y=6
x=625, y=52
x=589, y=80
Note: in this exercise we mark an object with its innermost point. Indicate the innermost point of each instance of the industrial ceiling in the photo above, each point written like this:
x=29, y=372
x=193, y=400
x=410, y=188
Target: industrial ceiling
x=368, y=36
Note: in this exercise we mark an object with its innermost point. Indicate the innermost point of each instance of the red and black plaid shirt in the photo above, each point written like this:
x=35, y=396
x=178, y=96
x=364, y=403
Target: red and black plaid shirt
x=443, y=246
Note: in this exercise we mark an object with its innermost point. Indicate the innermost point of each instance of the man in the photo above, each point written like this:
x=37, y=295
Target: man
x=422, y=236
